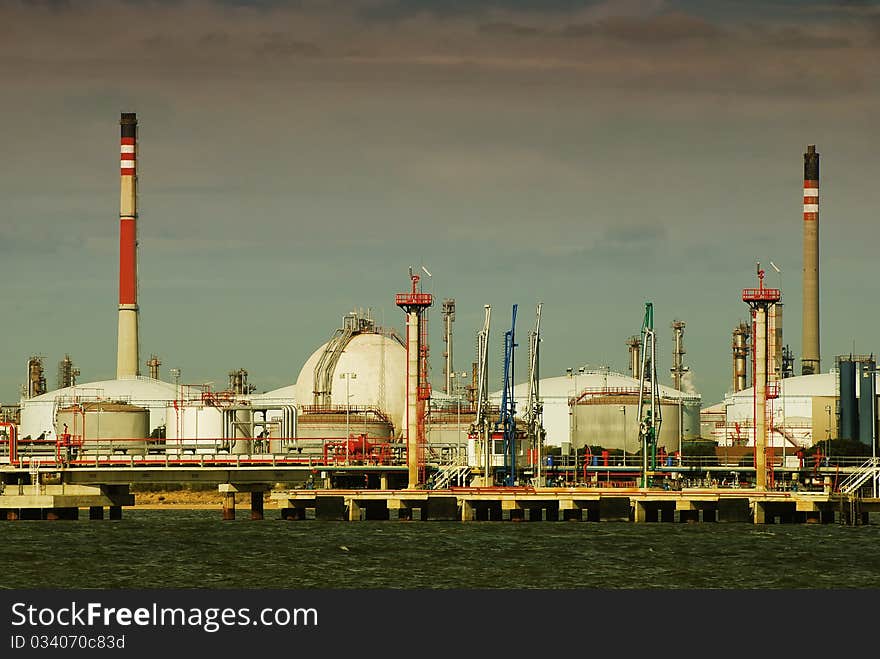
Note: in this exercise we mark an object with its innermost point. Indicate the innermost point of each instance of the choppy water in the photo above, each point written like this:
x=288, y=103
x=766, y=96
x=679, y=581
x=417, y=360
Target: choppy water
x=194, y=549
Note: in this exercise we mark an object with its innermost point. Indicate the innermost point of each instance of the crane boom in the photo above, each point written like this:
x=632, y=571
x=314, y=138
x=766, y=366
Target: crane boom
x=534, y=406
x=507, y=417
x=481, y=421
x=649, y=414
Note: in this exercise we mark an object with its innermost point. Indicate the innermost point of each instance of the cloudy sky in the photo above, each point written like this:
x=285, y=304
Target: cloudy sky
x=296, y=158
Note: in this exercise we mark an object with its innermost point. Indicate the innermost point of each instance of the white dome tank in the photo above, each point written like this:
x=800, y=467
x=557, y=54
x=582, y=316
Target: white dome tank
x=371, y=369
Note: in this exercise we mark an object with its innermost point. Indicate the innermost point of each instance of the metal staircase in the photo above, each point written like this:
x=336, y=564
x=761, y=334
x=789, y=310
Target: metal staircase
x=868, y=471
x=455, y=473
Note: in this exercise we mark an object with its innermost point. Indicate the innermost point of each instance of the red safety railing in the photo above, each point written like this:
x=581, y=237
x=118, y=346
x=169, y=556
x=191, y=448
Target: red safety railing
x=761, y=295
x=74, y=450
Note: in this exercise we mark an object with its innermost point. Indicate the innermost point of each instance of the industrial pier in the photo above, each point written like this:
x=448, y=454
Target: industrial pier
x=577, y=504
x=834, y=494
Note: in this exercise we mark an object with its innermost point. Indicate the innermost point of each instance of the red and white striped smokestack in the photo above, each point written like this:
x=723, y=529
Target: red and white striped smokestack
x=127, y=361
x=810, y=363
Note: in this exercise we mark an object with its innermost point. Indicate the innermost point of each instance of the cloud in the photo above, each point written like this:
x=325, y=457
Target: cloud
x=606, y=47
x=278, y=44
x=661, y=29
x=793, y=37
x=509, y=29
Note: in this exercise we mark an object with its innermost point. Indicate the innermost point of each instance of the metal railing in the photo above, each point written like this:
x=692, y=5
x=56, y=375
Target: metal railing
x=867, y=471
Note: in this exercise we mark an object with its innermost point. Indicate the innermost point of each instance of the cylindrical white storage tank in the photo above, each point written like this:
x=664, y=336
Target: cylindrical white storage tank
x=690, y=420
x=333, y=426
x=612, y=422
x=449, y=431
x=196, y=428
x=106, y=427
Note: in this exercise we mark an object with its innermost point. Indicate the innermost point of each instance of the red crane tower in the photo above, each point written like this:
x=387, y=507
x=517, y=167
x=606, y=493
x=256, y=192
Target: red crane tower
x=760, y=300
x=418, y=389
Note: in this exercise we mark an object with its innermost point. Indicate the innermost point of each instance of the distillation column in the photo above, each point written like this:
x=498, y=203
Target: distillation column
x=448, y=313
x=740, y=356
x=127, y=360
x=678, y=368
x=634, y=344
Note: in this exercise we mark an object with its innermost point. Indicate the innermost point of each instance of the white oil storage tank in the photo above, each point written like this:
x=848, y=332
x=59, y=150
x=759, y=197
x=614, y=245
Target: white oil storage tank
x=105, y=427
x=612, y=422
x=194, y=428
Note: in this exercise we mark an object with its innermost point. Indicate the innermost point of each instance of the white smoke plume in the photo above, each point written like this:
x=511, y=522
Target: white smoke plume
x=687, y=383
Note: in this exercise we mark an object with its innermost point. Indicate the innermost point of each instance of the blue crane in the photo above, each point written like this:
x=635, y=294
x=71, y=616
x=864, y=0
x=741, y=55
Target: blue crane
x=507, y=418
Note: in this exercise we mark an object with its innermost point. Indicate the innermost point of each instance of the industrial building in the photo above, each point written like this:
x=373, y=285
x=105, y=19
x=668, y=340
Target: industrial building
x=804, y=410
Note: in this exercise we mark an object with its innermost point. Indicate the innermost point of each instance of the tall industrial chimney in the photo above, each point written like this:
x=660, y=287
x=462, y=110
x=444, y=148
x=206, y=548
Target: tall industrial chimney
x=810, y=363
x=127, y=360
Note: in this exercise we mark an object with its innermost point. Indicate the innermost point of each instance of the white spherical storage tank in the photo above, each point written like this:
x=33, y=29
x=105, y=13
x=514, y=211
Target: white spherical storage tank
x=370, y=372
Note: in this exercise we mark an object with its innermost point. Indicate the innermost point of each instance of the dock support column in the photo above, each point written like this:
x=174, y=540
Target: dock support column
x=759, y=514
x=256, y=505
x=570, y=511
x=96, y=512
x=640, y=512
x=444, y=509
x=115, y=512
x=229, y=506
x=354, y=511
x=734, y=510
x=517, y=514
x=468, y=513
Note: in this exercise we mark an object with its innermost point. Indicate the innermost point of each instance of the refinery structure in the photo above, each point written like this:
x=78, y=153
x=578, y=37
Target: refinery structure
x=363, y=400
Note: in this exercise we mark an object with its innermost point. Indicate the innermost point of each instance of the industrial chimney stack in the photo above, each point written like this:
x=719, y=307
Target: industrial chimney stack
x=810, y=363
x=127, y=360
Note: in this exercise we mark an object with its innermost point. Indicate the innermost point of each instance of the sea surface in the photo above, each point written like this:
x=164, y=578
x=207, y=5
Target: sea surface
x=196, y=549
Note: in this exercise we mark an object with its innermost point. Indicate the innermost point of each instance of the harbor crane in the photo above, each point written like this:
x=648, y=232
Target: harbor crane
x=480, y=427
x=649, y=402
x=534, y=405
x=506, y=423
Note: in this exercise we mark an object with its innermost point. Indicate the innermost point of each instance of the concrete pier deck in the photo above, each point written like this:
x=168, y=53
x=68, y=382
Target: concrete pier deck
x=577, y=504
x=63, y=501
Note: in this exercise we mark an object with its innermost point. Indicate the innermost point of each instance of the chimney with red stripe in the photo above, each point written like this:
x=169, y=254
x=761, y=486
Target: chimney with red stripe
x=810, y=363
x=127, y=359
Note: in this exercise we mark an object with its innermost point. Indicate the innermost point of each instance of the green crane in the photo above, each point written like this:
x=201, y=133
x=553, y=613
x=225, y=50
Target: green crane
x=650, y=417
